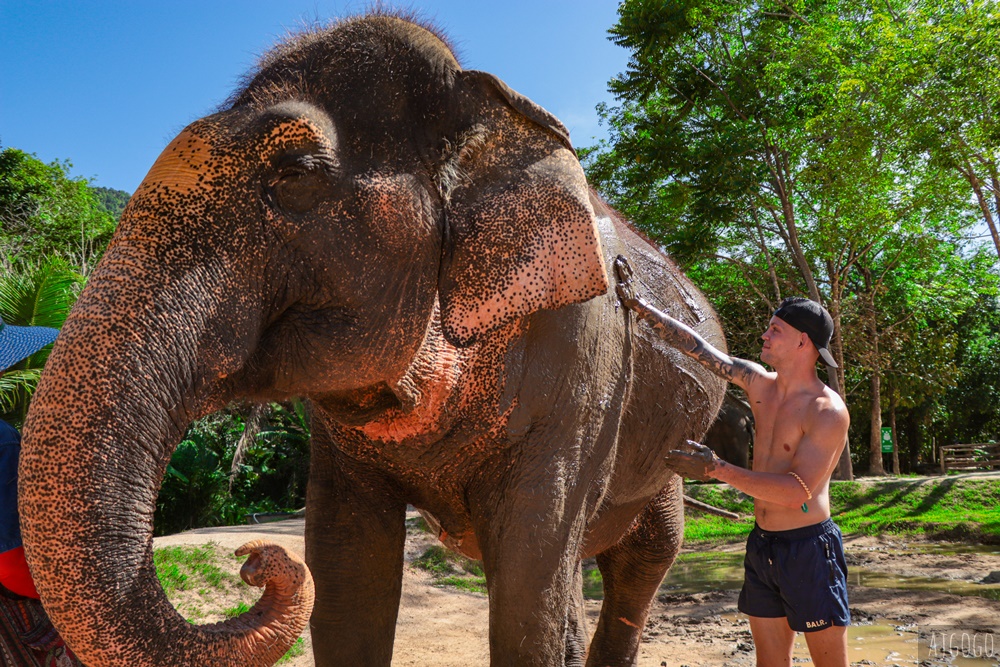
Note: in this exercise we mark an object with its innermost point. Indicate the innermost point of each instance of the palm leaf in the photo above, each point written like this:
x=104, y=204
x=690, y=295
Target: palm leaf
x=42, y=296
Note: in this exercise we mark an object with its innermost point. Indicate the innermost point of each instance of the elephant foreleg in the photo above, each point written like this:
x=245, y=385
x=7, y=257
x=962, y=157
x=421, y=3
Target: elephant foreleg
x=355, y=534
x=530, y=540
x=632, y=571
x=576, y=624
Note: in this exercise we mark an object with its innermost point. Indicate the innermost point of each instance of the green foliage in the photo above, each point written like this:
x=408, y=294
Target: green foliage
x=593, y=583
x=436, y=560
x=702, y=527
x=969, y=412
x=32, y=295
x=948, y=508
x=474, y=584
x=203, y=488
x=276, y=466
x=111, y=200
x=778, y=149
x=45, y=214
x=236, y=610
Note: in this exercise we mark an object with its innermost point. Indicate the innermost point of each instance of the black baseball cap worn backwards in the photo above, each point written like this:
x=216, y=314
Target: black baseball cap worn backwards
x=811, y=319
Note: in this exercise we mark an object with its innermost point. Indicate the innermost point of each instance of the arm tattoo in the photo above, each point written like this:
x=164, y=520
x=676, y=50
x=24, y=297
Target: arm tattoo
x=679, y=334
x=684, y=338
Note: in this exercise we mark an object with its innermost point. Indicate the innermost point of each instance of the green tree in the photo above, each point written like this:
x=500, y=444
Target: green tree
x=111, y=200
x=950, y=51
x=45, y=213
x=969, y=411
x=762, y=144
x=242, y=460
x=908, y=303
x=33, y=295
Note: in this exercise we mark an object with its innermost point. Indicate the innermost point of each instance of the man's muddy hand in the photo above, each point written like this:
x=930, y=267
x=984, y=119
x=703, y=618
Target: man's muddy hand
x=693, y=460
x=625, y=288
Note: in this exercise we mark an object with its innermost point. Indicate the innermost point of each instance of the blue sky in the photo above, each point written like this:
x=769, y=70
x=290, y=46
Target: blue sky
x=108, y=84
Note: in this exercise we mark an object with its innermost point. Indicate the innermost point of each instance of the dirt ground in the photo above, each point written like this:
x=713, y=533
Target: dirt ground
x=445, y=627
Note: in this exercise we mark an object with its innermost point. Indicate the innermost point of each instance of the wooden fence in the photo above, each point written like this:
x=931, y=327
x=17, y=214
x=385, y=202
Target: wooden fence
x=970, y=457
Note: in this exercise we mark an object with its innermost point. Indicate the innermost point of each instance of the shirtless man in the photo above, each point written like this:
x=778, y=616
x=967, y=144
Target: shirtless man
x=795, y=572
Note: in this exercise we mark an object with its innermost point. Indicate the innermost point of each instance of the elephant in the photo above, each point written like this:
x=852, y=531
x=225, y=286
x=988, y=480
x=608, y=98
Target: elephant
x=414, y=249
x=731, y=434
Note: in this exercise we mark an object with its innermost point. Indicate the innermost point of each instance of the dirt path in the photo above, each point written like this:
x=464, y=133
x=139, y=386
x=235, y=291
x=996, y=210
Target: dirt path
x=445, y=627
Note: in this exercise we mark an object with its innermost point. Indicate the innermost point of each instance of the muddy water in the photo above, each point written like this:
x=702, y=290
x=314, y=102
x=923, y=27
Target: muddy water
x=885, y=644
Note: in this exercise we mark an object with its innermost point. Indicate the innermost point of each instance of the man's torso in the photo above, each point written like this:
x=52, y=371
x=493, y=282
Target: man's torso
x=781, y=425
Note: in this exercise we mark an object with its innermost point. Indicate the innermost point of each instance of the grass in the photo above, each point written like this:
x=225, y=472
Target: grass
x=236, y=610
x=451, y=569
x=203, y=584
x=190, y=568
x=297, y=649
x=960, y=509
x=702, y=527
x=941, y=508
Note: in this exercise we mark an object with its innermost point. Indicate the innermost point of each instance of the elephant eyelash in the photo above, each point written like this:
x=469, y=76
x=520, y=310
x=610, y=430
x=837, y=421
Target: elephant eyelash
x=302, y=165
x=298, y=182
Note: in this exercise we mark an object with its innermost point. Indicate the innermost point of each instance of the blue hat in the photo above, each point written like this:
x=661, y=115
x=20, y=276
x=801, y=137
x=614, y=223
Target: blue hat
x=17, y=343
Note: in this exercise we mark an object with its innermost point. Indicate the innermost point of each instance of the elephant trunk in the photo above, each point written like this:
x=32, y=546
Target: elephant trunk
x=138, y=358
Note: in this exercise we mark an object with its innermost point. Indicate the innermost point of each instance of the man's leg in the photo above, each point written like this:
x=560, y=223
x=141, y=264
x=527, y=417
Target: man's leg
x=773, y=641
x=828, y=648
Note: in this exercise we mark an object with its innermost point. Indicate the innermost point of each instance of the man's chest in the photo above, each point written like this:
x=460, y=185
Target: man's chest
x=779, y=430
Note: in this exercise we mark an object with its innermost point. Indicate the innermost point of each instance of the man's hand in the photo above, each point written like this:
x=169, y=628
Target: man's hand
x=693, y=461
x=625, y=288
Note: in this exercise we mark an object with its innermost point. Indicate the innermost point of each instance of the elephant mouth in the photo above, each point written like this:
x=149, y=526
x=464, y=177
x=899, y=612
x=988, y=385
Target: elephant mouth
x=358, y=407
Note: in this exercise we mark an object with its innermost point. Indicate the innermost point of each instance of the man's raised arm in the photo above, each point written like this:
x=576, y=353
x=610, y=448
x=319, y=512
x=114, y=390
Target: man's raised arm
x=738, y=371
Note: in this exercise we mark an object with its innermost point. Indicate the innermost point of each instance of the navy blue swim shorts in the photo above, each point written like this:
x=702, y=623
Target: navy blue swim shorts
x=800, y=574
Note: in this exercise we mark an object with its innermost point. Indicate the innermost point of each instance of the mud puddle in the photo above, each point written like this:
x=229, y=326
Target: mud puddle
x=882, y=643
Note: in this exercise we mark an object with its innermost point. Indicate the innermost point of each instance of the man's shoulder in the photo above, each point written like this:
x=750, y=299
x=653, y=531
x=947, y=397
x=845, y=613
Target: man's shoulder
x=828, y=410
x=763, y=380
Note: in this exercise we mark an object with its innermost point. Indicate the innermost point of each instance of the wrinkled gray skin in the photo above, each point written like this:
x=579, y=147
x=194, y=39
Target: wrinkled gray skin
x=731, y=434
x=413, y=247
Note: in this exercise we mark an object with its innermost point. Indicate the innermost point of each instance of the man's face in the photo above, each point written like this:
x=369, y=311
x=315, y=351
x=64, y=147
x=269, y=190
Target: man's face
x=780, y=341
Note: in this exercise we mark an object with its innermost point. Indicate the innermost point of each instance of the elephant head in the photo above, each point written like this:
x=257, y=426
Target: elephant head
x=358, y=189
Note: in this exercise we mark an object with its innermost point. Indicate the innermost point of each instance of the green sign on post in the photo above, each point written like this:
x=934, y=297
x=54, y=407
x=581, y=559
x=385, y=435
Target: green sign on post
x=887, y=440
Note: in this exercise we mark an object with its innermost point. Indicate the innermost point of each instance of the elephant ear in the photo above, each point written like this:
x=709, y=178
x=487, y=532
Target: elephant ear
x=521, y=234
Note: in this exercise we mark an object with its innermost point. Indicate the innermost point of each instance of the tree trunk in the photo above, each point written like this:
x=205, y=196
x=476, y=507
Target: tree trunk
x=875, y=466
x=875, y=442
x=983, y=202
x=892, y=425
x=912, y=431
x=845, y=467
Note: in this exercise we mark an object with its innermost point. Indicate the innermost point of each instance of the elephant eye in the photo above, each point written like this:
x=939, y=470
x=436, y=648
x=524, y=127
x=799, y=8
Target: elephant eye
x=299, y=183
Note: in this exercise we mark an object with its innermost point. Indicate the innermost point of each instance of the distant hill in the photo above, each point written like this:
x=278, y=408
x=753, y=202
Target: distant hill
x=112, y=201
